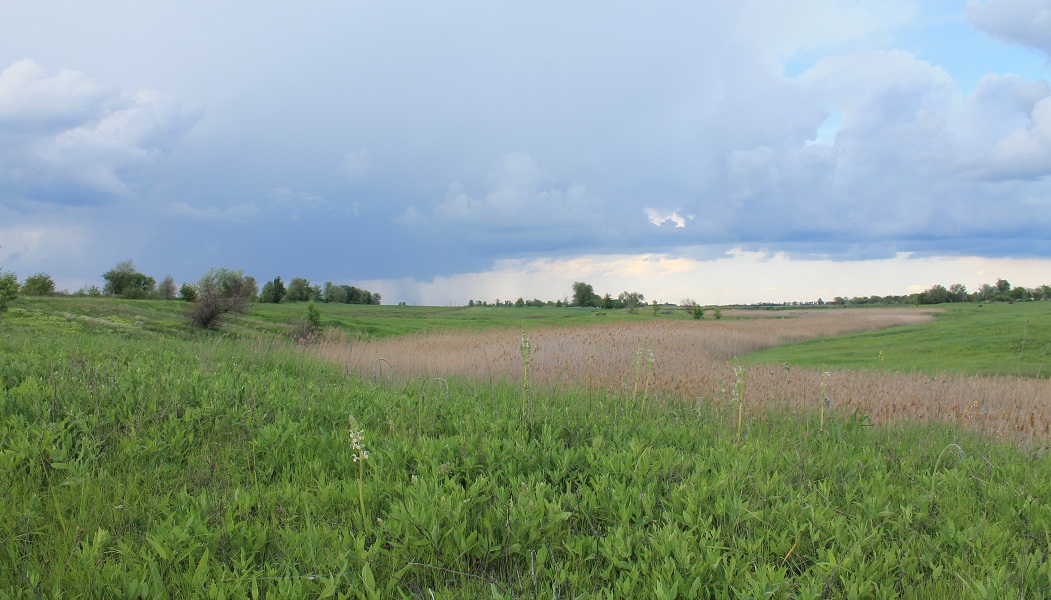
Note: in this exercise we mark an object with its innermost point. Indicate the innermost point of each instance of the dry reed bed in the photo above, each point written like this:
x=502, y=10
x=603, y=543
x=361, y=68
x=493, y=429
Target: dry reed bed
x=691, y=360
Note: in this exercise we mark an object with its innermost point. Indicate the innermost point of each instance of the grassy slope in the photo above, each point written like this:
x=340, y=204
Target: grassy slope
x=992, y=339
x=378, y=321
x=139, y=459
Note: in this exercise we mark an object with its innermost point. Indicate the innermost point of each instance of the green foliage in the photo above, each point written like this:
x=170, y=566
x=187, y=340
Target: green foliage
x=188, y=293
x=717, y=313
x=299, y=290
x=40, y=284
x=631, y=301
x=313, y=316
x=584, y=295
x=8, y=289
x=991, y=339
x=697, y=312
x=124, y=281
x=144, y=466
x=219, y=292
x=273, y=291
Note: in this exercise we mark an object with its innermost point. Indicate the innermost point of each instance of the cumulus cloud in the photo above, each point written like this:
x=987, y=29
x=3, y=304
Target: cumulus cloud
x=1023, y=22
x=659, y=218
x=65, y=138
x=910, y=158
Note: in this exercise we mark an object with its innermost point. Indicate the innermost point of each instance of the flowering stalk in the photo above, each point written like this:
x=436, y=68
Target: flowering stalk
x=824, y=396
x=738, y=396
x=357, y=444
x=525, y=349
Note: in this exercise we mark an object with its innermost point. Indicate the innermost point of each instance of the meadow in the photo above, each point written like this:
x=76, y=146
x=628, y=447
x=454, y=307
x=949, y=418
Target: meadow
x=139, y=458
x=665, y=359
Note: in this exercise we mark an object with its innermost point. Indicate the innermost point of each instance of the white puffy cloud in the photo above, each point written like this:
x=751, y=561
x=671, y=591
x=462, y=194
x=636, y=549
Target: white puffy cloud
x=1022, y=22
x=659, y=218
x=68, y=139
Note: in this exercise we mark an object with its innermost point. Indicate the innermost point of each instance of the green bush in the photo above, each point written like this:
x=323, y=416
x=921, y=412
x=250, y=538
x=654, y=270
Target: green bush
x=8, y=289
x=40, y=284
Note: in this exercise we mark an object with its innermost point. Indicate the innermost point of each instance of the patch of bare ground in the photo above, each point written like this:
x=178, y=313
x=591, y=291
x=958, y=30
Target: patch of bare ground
x=691, y=360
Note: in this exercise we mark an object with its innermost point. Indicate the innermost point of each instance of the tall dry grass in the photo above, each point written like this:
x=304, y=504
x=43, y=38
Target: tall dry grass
x=691, y=361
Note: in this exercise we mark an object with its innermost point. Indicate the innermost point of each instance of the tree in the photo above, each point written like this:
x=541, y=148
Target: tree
x=656, y=308
x=166, y=290
x=584, y=294
x=937, y=294
x=40, y=284
x=188, y=293
x=251, y=288
x=8, y=289
x=697, y=312
x=273, y=291
x=1019, y=293
x=219, y=292
x=338, y=295
x=958, y=292
x=299, y=290
x=124, y=281
x=631, y=300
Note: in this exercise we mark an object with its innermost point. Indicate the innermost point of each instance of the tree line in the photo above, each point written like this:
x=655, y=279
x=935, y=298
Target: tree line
x=584, y=296
x=1001, y=291
x=218, y=292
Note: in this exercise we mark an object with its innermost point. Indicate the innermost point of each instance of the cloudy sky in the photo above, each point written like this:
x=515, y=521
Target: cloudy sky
x=436, y=152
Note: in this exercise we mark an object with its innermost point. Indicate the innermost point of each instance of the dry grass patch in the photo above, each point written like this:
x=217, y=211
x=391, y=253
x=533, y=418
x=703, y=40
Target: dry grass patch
x=691, y=360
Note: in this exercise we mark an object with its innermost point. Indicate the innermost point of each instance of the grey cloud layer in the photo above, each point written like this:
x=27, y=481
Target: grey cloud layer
x=440, y=137
x=1022, y=22
x=66, y=138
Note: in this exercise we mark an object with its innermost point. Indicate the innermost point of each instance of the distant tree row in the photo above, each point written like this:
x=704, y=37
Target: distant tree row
x=218, y=292
x=584, y=296
x=300, y=290
x=1001, y=291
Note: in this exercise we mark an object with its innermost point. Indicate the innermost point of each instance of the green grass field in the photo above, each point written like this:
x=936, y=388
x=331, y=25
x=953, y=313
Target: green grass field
x=991, y=339
x=141, y=459
x=147, y=316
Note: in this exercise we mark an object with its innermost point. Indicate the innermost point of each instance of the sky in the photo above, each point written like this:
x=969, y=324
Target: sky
x=440, y=152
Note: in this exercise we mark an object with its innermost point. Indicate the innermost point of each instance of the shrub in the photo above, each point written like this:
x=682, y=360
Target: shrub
x=40, y=284
x=219, y=292
x=313, y=315
x=123, y=280
x=188, y=293
x=8, y=289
